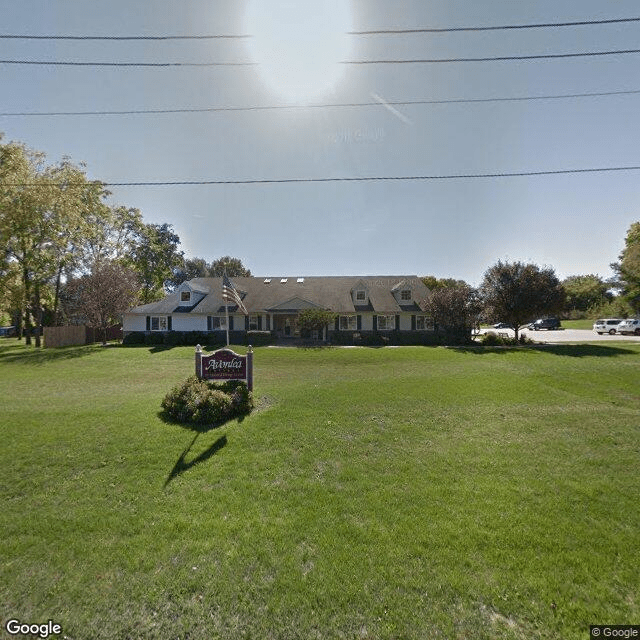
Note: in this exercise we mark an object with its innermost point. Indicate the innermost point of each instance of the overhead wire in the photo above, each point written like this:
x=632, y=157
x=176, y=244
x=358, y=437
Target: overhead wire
x=543, y=56
x=328, y=105
x=454, y=176
x=542, y=25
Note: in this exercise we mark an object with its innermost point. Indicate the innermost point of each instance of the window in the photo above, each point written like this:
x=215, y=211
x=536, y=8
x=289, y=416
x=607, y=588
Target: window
x=348, y=323
x=361, y=296
x=218, y=323
x=253, y=323
x=158, y=323
x=185, y=296
x=424, y=323
x=405, y=294
x=386, y=323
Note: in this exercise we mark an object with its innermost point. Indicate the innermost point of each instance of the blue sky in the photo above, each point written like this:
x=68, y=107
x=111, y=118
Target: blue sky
x=457, y=228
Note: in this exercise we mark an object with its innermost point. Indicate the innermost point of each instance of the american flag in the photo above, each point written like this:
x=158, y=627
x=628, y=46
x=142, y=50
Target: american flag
x=230, y=294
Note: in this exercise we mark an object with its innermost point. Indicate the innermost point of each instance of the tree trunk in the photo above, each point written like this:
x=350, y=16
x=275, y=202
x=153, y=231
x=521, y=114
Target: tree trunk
x=38, y=315
x=57, y=296
x=26, y=308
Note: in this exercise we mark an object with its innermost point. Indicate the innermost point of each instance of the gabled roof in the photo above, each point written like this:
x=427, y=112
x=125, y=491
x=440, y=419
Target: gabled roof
x=295, y=304
x=294, y=293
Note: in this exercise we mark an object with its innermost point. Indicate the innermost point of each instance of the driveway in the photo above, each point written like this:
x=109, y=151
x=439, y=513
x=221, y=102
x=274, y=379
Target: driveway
x=567, y=335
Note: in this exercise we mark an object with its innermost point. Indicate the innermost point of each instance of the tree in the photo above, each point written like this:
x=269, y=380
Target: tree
x=455, y=308
x=585, y=292
x=628, y=267
x=433, y=283
x=191, y=268
x=315, y=319
x=101, y=297
x=516, y=293
x=112, y=234
x=233, y=267
x=155, y=256
x=42, y=210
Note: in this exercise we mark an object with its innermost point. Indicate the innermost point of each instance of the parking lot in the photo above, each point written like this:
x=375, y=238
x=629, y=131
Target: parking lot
x=566, y=335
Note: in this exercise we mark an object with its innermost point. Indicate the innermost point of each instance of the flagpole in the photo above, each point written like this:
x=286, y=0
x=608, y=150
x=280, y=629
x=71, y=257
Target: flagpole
x=226, y=308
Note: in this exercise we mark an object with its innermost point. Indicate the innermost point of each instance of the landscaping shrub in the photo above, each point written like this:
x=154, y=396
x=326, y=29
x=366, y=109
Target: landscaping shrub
x=259, y=338
x=492, y=339
x=133, y=338
x=204, y=402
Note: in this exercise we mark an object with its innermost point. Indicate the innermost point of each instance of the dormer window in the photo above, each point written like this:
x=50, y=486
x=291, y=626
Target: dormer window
x=405, y=294
x=185, y=296
x=361, y=295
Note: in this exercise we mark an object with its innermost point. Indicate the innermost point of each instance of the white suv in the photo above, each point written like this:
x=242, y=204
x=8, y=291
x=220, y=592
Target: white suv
x=608, y=325
x=630, y=326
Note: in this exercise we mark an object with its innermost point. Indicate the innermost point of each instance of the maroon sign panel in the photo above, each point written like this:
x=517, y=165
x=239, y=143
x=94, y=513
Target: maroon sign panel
x=225, y=364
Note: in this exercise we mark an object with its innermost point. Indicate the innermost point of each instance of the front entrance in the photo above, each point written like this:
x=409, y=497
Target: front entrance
x=286, y=326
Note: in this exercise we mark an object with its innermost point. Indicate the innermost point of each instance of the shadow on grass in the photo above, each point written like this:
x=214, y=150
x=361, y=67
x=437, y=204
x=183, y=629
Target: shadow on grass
x=182, y=465
x=572, y=350
x=19, y=352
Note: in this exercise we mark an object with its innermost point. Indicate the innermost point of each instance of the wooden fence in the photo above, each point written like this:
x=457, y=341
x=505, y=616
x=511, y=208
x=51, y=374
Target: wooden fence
x=78, y=334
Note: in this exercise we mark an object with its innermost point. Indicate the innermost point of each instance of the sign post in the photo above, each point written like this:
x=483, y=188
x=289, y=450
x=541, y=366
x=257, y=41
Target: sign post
x=225, y=364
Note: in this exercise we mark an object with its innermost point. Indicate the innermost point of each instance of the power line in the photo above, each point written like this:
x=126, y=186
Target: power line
x=456, y=176
x=544, y=25
x=318, y=106
x=493, y=28
x=546, y=56
x=119, y=38
x=68, y=63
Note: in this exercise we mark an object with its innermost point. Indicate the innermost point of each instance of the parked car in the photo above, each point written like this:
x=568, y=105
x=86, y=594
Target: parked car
x=544, y=323
x=606, y=325
x=502, y=325
x=631, y=326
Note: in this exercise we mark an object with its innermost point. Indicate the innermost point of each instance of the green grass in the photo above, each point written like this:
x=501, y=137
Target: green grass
x=374, y=493
x=578, y=324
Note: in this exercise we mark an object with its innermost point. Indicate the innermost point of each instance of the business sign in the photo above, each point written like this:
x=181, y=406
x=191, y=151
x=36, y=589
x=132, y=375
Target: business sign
x=225, y=364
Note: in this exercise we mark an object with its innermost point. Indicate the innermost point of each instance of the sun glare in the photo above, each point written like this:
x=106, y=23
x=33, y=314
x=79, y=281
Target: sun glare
x=298, y=44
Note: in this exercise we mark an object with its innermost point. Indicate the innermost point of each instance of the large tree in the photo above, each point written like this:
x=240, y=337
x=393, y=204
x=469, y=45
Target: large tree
x=100, y=298
x=42, y=211
x=517, y=293
x=628, y=267
x=189, y=269
x=155, y=256
x=433, y=283
x=232, y=266
x=585, y=292
x=454, y=308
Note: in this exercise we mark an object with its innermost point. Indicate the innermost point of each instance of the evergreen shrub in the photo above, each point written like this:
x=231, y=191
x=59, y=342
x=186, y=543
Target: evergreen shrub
x=204, y=402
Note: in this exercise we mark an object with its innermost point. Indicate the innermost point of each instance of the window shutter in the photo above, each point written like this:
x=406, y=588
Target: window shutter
x=359, y=323
x=375, y=323
x=268, y=323
x=397, y=323
x=148, y=323
x=209, y=322
x=230, y=323
x=246, y=323
x=169, y=327
x=337, y=324
x=413, y=323
x=259, y=323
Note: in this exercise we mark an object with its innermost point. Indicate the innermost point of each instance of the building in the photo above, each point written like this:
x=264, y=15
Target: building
x=363, y=304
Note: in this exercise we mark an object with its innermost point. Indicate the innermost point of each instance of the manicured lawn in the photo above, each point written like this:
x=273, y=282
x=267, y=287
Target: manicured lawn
x=375, y=493
x=578, y=324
